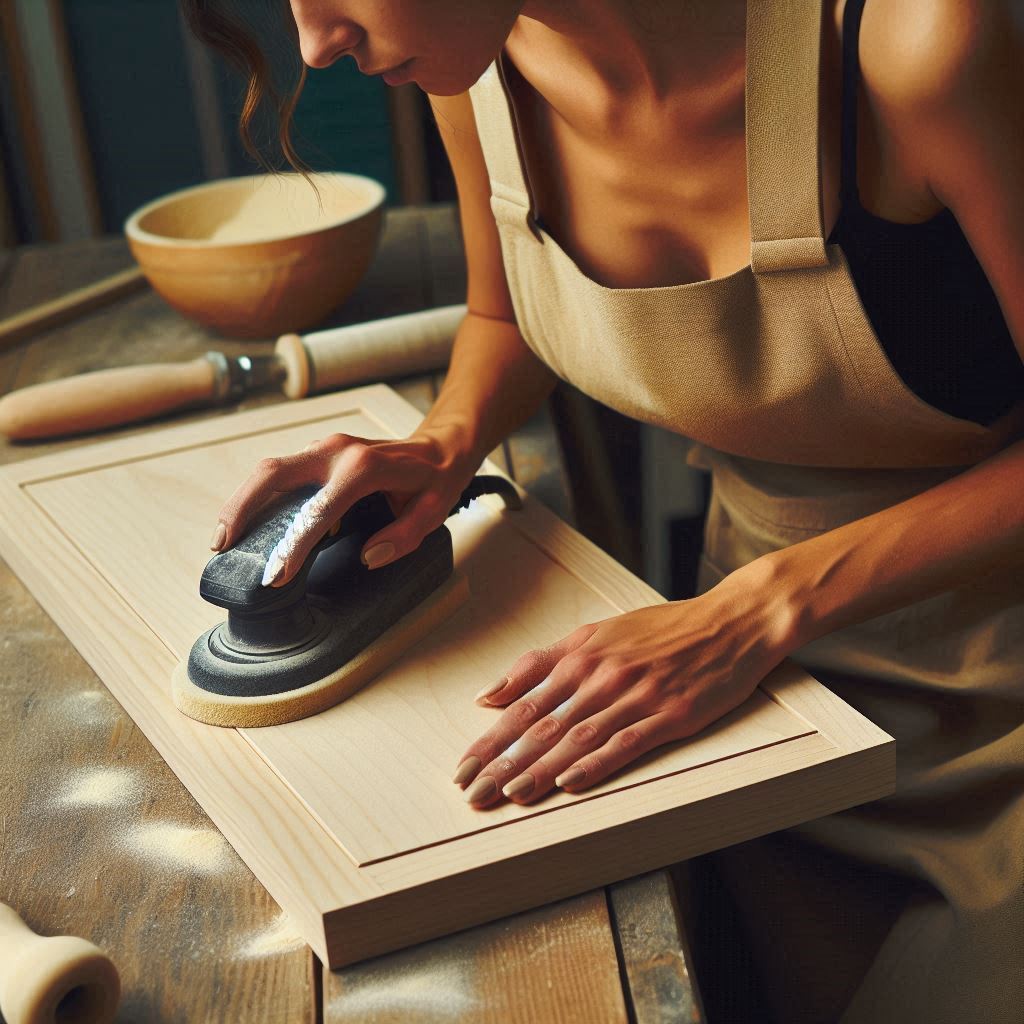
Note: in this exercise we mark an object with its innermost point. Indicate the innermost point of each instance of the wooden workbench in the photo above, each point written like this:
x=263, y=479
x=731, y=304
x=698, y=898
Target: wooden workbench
x=98, y=838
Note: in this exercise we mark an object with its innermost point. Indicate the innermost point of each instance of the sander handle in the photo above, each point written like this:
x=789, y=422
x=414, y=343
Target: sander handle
x=489, y=483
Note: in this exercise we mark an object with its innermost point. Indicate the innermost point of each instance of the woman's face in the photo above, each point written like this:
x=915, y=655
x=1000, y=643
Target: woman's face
x=442, y=45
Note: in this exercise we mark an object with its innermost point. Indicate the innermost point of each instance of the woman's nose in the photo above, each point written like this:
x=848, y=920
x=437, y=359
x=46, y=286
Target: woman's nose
x=322, y=39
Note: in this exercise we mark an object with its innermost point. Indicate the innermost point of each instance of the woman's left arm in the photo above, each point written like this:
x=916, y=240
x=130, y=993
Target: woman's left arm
x=951, y=83
x=948, y=78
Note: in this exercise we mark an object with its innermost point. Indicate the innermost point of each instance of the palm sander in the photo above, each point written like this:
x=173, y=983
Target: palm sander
x=291, y=651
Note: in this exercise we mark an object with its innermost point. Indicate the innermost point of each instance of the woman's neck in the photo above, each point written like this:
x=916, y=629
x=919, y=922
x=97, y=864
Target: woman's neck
x=652, y=47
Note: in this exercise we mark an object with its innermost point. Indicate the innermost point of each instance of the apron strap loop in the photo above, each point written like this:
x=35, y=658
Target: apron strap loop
x=787, y=254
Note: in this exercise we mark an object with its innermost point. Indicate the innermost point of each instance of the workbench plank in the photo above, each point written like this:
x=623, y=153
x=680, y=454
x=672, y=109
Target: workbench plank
x=553, y=965
x=651, y=940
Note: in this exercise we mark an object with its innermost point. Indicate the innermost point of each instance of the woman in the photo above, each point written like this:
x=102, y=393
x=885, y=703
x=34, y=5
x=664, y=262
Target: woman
x=658, y=205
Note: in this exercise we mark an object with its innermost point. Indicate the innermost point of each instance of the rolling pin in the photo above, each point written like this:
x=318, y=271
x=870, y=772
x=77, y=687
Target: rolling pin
x=56, y=980
x=322, y=361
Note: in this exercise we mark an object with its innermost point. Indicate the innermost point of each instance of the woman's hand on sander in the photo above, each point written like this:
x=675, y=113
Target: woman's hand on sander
x=578, y=711
x=420, y=480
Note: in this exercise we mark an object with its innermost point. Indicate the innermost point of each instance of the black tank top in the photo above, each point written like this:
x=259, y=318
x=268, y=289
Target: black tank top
x=927, y=297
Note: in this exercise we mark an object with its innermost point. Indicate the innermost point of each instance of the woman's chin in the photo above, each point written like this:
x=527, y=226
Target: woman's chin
x=450, y=82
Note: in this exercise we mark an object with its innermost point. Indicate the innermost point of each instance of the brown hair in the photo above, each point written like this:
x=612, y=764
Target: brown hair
x=212, y=23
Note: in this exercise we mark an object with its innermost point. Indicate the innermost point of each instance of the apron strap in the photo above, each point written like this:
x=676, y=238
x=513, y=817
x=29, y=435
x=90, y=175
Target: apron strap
x=495, y=114
x=783, y=172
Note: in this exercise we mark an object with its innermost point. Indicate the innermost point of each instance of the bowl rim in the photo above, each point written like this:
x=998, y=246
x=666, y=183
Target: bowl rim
x=134, y=232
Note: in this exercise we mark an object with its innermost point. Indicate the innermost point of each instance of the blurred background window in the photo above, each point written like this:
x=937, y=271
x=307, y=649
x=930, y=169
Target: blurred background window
x=107, y=104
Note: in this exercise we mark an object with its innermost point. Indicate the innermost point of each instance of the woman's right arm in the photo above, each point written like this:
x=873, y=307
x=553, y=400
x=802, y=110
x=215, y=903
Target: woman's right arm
x=494, y=384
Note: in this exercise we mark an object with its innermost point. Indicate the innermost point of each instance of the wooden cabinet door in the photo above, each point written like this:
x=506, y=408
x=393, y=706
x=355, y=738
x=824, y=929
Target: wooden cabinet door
x=349, y=817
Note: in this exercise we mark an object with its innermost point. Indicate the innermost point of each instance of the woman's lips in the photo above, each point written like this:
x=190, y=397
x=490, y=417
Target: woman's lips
x=398, y=75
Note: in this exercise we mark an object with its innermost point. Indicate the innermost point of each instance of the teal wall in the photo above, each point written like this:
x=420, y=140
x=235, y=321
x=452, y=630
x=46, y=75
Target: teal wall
x=342, y=123
x=137, y=104
x=136, y=101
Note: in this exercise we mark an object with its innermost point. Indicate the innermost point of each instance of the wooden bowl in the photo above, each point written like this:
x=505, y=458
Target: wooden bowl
x=259, y=256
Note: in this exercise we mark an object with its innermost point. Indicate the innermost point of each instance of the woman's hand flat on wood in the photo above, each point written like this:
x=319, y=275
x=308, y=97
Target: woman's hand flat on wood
x=609, y=692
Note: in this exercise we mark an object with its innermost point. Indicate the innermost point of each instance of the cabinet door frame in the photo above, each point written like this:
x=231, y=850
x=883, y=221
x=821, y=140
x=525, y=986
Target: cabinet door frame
x=346, y=912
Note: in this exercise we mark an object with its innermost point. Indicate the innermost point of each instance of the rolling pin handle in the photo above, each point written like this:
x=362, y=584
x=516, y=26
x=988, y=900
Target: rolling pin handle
x=53, y=980
x=298, y=367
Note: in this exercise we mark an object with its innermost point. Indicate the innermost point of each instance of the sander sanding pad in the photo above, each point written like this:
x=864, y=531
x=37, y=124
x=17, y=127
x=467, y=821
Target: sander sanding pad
x=278, y=708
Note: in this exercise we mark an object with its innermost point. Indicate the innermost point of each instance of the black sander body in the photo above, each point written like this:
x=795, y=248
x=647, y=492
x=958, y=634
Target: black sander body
x=290, y=651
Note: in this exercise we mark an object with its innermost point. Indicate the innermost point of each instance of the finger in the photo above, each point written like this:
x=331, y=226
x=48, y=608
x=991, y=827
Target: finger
x=426, y=512
x=510, y=747
x=355, y=474
x=269, y=478
x=502, y=751
x=532, y=667
x=624, y=746
x=586, y=735
x=314, y=518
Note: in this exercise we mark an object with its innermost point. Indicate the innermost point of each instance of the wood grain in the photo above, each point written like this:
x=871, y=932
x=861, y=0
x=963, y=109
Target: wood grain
x=556, y=963
x=97, y=837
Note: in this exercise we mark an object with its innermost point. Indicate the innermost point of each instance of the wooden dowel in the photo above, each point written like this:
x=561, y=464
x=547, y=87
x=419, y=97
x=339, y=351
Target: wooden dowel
x=67, y=307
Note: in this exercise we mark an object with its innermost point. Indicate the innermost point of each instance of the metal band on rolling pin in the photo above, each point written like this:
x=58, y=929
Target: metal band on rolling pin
x=395, y=346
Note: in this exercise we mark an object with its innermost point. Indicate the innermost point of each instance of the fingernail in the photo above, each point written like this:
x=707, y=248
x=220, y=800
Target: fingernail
x=275, y=566
x=379, y=554
x=219, y=536
x=572, y=777
x=483, y=789
x=490, y=691
x=523, y=786
x=466, y=770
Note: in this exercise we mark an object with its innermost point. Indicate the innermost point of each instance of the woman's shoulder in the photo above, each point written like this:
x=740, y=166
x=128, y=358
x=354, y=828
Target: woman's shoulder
x=941, y=79
x=916, y=54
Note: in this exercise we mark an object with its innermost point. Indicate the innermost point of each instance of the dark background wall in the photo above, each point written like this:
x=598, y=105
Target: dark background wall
x=159, y=113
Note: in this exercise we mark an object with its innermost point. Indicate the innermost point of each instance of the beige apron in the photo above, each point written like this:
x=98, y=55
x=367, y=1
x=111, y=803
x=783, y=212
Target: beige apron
x=907, y=909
